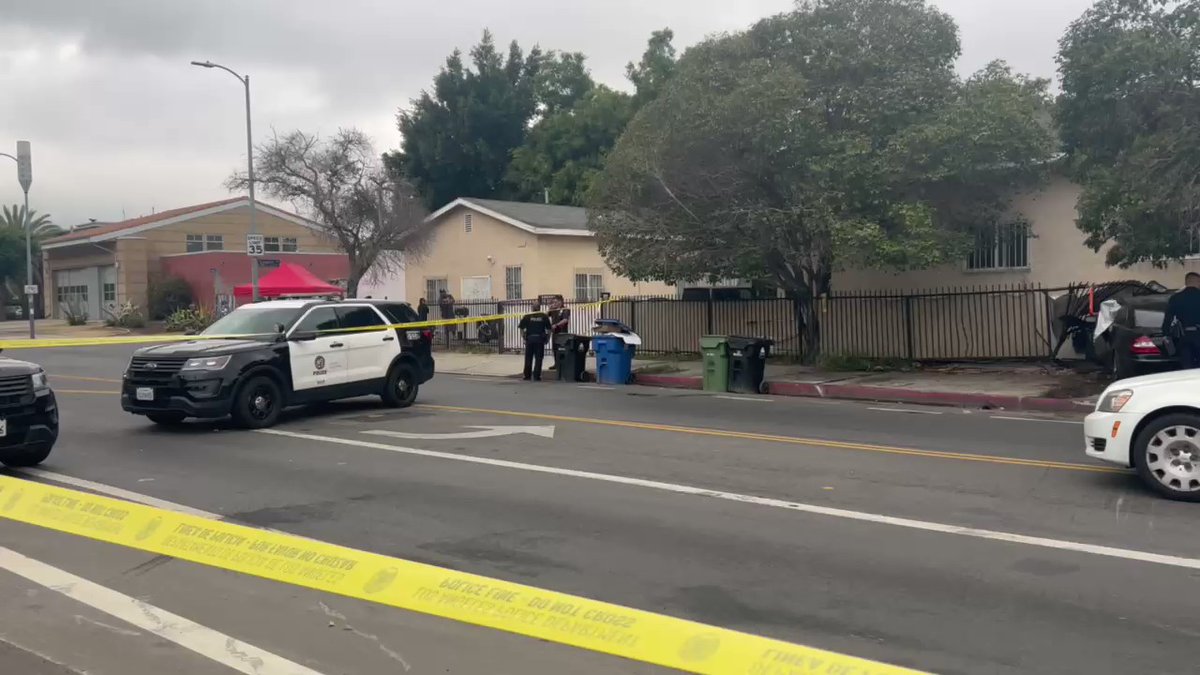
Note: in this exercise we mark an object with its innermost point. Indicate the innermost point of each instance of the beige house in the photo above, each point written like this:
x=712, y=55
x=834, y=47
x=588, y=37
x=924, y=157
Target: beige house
x=99, y=266
x=485, y=249
x=1050, y=253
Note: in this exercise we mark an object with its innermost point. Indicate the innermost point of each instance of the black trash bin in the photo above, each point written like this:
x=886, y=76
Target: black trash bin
x=748, y=363
x=572, y=353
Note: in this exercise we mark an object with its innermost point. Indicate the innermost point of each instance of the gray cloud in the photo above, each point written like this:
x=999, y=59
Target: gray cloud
x=120, y=122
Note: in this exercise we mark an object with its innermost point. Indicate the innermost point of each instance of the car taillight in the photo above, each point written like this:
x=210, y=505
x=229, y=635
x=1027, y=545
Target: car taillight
x=1145, y=346
x=427, y=335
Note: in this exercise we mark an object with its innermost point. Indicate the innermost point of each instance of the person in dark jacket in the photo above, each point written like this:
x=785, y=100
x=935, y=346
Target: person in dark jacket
x=535, y=327
x=560, y=320
x=1184, y=307
x=422, y=310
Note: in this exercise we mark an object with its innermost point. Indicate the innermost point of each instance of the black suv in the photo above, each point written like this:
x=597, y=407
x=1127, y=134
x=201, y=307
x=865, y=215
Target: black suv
x=263, y=357
x=28, y=414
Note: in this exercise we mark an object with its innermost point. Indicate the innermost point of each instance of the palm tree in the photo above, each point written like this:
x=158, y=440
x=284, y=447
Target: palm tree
x=41, y=227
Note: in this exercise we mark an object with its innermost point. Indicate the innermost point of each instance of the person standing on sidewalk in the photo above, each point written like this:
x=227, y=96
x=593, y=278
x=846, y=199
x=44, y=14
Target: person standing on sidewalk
x=446, y=309
x=422, y=310
x=1184, y=306
x=560, y=320
x=535, y=328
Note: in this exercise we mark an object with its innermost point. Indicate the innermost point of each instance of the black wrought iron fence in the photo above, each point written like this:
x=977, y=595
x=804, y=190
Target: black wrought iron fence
x=979, y=323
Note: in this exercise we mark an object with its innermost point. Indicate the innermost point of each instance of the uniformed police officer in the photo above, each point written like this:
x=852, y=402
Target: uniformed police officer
x=1184, y=306
x=535, y=328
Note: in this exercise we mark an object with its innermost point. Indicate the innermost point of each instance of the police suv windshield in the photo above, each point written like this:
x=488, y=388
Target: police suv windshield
x=258, y=323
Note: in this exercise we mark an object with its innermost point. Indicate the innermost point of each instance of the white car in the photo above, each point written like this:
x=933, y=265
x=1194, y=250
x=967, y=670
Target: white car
x=1152, y=424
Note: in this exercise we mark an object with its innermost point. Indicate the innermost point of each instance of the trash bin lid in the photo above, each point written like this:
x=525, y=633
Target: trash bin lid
x=743, y=342
x=713, y=341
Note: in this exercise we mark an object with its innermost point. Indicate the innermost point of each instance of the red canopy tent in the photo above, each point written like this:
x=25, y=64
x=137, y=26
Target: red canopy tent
x=289, y=279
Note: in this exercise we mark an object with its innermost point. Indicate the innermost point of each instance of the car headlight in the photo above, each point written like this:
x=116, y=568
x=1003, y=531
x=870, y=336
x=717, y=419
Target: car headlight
x=40, y=383
x=207, y=363
x=1113, y=401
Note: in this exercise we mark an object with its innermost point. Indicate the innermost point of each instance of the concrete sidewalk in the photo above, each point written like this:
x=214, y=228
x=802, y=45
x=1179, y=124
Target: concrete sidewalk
x=1010, y=387
x=56, y=328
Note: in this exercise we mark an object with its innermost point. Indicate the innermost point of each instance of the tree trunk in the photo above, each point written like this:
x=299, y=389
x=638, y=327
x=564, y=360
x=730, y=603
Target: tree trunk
x=808, y=320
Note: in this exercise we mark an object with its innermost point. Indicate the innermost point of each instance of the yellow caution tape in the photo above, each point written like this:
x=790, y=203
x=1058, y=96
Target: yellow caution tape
x=516, y=608
x=50, y=343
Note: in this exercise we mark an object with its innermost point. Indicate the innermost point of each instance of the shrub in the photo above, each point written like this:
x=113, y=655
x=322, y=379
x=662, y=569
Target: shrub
x=189, y=319
x=125, y=316
x=851, y=362
x=74, y=312
x=168, y=296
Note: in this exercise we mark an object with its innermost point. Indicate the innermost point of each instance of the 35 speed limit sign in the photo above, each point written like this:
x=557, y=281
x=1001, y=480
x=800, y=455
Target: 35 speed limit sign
x=254, y=245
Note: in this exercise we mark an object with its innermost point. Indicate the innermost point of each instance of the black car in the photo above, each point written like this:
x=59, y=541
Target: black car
x=1134, y=344
x=28, y=414
x=261, y=358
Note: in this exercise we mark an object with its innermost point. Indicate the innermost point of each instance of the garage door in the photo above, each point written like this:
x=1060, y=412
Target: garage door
x=79, y=291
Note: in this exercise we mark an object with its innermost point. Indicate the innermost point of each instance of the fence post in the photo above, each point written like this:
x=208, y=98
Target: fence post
x=908, y=327
x=708, y=314
x=633, y=315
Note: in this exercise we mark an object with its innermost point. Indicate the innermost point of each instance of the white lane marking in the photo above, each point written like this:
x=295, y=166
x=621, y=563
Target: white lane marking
x=907, y=410
x=1033, y=419
x=598, y=387
x=743, y=398
x=117, y=492
x=928, y=526
x=484, y=432
x=212, y=644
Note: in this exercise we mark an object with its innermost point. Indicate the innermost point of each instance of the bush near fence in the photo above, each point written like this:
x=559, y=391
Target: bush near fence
x=974, y=323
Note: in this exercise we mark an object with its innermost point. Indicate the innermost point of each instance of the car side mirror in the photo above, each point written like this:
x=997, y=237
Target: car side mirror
x=304, y=335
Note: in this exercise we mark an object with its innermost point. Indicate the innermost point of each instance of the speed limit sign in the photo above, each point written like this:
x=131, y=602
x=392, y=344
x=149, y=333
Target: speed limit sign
x=254, y=245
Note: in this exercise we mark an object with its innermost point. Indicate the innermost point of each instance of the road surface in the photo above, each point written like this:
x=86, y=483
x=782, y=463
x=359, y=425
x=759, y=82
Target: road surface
x=939, y=539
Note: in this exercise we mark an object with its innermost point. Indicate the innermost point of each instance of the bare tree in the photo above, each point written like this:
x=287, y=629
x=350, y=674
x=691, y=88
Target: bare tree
x=341, y=184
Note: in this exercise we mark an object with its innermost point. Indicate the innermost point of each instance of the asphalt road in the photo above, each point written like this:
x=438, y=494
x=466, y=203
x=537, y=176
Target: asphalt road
x=940, y=539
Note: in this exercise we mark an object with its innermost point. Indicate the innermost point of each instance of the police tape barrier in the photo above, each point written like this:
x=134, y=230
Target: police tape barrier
x=51, y=343
x=516, y=608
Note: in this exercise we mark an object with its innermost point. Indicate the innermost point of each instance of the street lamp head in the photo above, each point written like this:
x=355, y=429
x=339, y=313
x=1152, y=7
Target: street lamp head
x=204, y=64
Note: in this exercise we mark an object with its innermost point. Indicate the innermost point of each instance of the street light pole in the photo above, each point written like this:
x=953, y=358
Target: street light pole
x=25, y=178
x=245, y=80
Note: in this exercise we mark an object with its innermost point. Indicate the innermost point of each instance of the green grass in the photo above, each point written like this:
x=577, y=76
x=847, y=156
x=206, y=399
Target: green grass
x=857, y=363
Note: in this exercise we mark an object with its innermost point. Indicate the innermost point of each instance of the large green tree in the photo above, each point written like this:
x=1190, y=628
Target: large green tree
x=566, y=147
x=459, y=136
x=837, y=134
x=1128, y=118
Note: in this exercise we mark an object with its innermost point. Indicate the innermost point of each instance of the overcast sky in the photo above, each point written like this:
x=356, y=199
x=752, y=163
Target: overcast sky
x=121, y=125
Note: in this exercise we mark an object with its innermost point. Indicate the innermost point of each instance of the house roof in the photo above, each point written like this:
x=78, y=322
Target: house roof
x=108, y=231
x=547, y=219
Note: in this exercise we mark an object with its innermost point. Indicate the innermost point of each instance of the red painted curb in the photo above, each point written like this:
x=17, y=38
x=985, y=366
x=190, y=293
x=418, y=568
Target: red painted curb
x=670, y=381
x=862, y=392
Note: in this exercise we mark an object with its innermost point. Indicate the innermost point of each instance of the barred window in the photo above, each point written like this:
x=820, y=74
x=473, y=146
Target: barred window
x=434, y=288
x=512, y=283
x=1004, y=246
x=588, y=287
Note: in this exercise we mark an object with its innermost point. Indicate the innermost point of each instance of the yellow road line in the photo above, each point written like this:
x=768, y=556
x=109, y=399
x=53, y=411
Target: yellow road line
x=84, y=379
x=493, y=603
x=771, y=438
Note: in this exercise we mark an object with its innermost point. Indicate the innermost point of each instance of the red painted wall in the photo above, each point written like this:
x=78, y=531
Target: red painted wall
x=233, y=269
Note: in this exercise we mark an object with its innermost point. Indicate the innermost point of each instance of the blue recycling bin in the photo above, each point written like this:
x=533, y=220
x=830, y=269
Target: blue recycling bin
x=614, y=359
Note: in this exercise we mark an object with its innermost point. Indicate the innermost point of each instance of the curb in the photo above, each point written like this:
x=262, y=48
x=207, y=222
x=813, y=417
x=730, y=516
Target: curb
x=857, y=392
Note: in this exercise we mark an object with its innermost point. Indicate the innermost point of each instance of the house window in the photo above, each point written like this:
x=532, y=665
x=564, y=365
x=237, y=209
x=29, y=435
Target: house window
x=433, y=289
x=512, y=283
x=467, y=222
x=68, y=295
x=280, y=245
x=1003, y=246
x=110, y=292
x=201, y=242
x=588, y=287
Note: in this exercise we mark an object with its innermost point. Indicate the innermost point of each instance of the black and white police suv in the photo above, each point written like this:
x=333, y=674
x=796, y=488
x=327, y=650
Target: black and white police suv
x=28, y=414
x=264, y=357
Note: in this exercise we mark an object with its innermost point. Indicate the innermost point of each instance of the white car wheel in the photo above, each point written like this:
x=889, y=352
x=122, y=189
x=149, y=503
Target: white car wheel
x=1169, y=456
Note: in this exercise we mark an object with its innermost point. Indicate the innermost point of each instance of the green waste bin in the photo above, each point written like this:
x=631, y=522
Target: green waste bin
x=716, y=362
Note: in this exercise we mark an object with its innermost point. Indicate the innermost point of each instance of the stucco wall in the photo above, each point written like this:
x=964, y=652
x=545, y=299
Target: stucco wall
x=1057, y=255
x=548, y=263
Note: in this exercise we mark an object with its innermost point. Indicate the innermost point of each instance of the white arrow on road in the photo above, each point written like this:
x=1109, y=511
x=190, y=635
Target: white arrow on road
x=484, y=432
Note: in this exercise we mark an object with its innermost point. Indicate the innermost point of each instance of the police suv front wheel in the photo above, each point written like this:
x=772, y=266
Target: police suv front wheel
x=401, y=388
x=258, y=403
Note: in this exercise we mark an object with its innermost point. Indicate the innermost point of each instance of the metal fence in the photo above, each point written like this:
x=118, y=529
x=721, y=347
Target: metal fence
x=978, y=323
